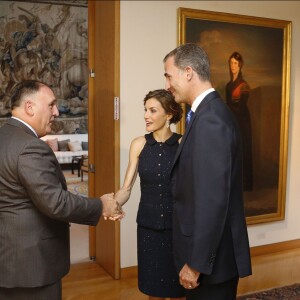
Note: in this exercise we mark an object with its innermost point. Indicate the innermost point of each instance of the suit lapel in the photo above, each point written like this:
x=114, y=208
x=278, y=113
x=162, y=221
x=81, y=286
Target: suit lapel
x=59, y=172
x=203, y=103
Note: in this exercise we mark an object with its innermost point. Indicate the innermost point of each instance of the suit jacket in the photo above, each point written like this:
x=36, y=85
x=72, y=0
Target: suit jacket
x=35, y=210
x=209, y=228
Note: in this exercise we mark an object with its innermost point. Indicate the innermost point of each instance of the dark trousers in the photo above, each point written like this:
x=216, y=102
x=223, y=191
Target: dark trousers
x=47, y=292
x=222, y=291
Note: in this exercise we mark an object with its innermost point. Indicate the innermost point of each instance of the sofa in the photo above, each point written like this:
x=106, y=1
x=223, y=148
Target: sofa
x=67, y=146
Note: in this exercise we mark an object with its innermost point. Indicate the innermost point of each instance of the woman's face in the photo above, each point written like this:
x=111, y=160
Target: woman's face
x=155, y=115
x=234, y=66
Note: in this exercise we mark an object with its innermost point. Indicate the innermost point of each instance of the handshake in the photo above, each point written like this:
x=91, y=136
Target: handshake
x=111, y=208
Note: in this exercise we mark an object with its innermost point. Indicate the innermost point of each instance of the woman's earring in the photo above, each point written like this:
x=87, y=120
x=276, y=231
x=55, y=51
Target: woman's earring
x=167, y=123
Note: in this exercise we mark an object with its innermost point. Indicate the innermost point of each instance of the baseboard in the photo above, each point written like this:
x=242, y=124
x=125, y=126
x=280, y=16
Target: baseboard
x=255, y=251
x=273, y=248
x=129, y=272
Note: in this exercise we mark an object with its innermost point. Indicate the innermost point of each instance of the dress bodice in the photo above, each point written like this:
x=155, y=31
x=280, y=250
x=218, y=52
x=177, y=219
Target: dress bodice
x=155, y=163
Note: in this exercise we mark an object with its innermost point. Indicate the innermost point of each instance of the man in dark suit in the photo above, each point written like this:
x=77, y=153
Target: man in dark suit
x=211, y=247
x=35, y=206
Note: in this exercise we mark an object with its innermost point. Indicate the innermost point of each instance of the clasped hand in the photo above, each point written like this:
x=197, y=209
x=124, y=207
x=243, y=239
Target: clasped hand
x=112, y=209
x=188, y=277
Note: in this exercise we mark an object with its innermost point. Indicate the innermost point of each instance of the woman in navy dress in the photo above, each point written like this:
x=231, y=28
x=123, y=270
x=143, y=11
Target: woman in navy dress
x=151, y=157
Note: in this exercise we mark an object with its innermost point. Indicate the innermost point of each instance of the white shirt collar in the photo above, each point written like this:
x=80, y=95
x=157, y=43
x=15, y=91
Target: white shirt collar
x=199, y=99
x=25, y=124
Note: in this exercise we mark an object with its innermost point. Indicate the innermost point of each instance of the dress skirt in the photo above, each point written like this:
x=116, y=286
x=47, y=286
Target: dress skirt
x=157, y=276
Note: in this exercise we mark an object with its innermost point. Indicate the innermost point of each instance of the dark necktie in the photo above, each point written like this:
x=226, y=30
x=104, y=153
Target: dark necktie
x=188, y=118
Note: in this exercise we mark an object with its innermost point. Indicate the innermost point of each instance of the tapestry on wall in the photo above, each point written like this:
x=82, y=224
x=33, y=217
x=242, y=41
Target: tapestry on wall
x=48, y=42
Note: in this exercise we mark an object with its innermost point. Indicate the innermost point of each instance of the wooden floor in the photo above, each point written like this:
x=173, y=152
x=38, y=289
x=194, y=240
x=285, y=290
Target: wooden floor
x=87, y=281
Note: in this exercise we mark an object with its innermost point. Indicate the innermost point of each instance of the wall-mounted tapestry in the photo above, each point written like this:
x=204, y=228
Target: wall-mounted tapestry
x=48, y=42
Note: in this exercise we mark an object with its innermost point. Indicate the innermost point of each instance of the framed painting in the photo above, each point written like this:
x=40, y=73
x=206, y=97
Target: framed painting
x=262, y=49
x=47, y=41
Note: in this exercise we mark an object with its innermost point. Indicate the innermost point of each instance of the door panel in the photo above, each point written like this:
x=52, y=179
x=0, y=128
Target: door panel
x=104, y=131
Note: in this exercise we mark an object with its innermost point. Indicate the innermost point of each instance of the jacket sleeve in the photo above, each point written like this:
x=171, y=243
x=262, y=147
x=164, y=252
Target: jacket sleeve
x=43, y=181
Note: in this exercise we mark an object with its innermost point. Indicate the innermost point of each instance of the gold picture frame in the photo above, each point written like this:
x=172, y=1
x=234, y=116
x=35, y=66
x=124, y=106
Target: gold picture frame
x=265, y=45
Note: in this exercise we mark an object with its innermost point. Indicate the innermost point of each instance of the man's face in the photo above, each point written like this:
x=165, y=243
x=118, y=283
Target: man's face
x=175, y=80
x=44, y=107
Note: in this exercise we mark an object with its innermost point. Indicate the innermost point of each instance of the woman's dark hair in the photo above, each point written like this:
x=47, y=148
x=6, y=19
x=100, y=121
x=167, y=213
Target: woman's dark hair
x=168, y=103
x=237, y=56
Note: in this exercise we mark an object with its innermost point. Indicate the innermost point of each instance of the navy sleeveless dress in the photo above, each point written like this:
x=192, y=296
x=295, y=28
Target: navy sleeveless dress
x=157, y=276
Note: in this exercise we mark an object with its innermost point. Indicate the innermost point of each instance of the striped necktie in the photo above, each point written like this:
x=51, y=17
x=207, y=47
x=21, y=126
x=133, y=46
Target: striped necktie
x=188, y=118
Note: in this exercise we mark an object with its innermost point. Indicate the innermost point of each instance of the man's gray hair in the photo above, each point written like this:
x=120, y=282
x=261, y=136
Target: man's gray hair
x=191, y=55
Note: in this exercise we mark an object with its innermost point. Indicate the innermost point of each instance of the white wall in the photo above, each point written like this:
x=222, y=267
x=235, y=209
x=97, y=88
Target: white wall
x=148, y=32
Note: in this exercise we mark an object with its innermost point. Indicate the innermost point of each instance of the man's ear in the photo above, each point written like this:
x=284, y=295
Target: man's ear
x=189, y=73
x=28, y=106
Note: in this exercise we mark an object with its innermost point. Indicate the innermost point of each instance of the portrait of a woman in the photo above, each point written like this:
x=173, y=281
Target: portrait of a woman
x=237, y=94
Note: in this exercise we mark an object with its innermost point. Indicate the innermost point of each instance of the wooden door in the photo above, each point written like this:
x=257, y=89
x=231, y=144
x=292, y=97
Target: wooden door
x=104, y=87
